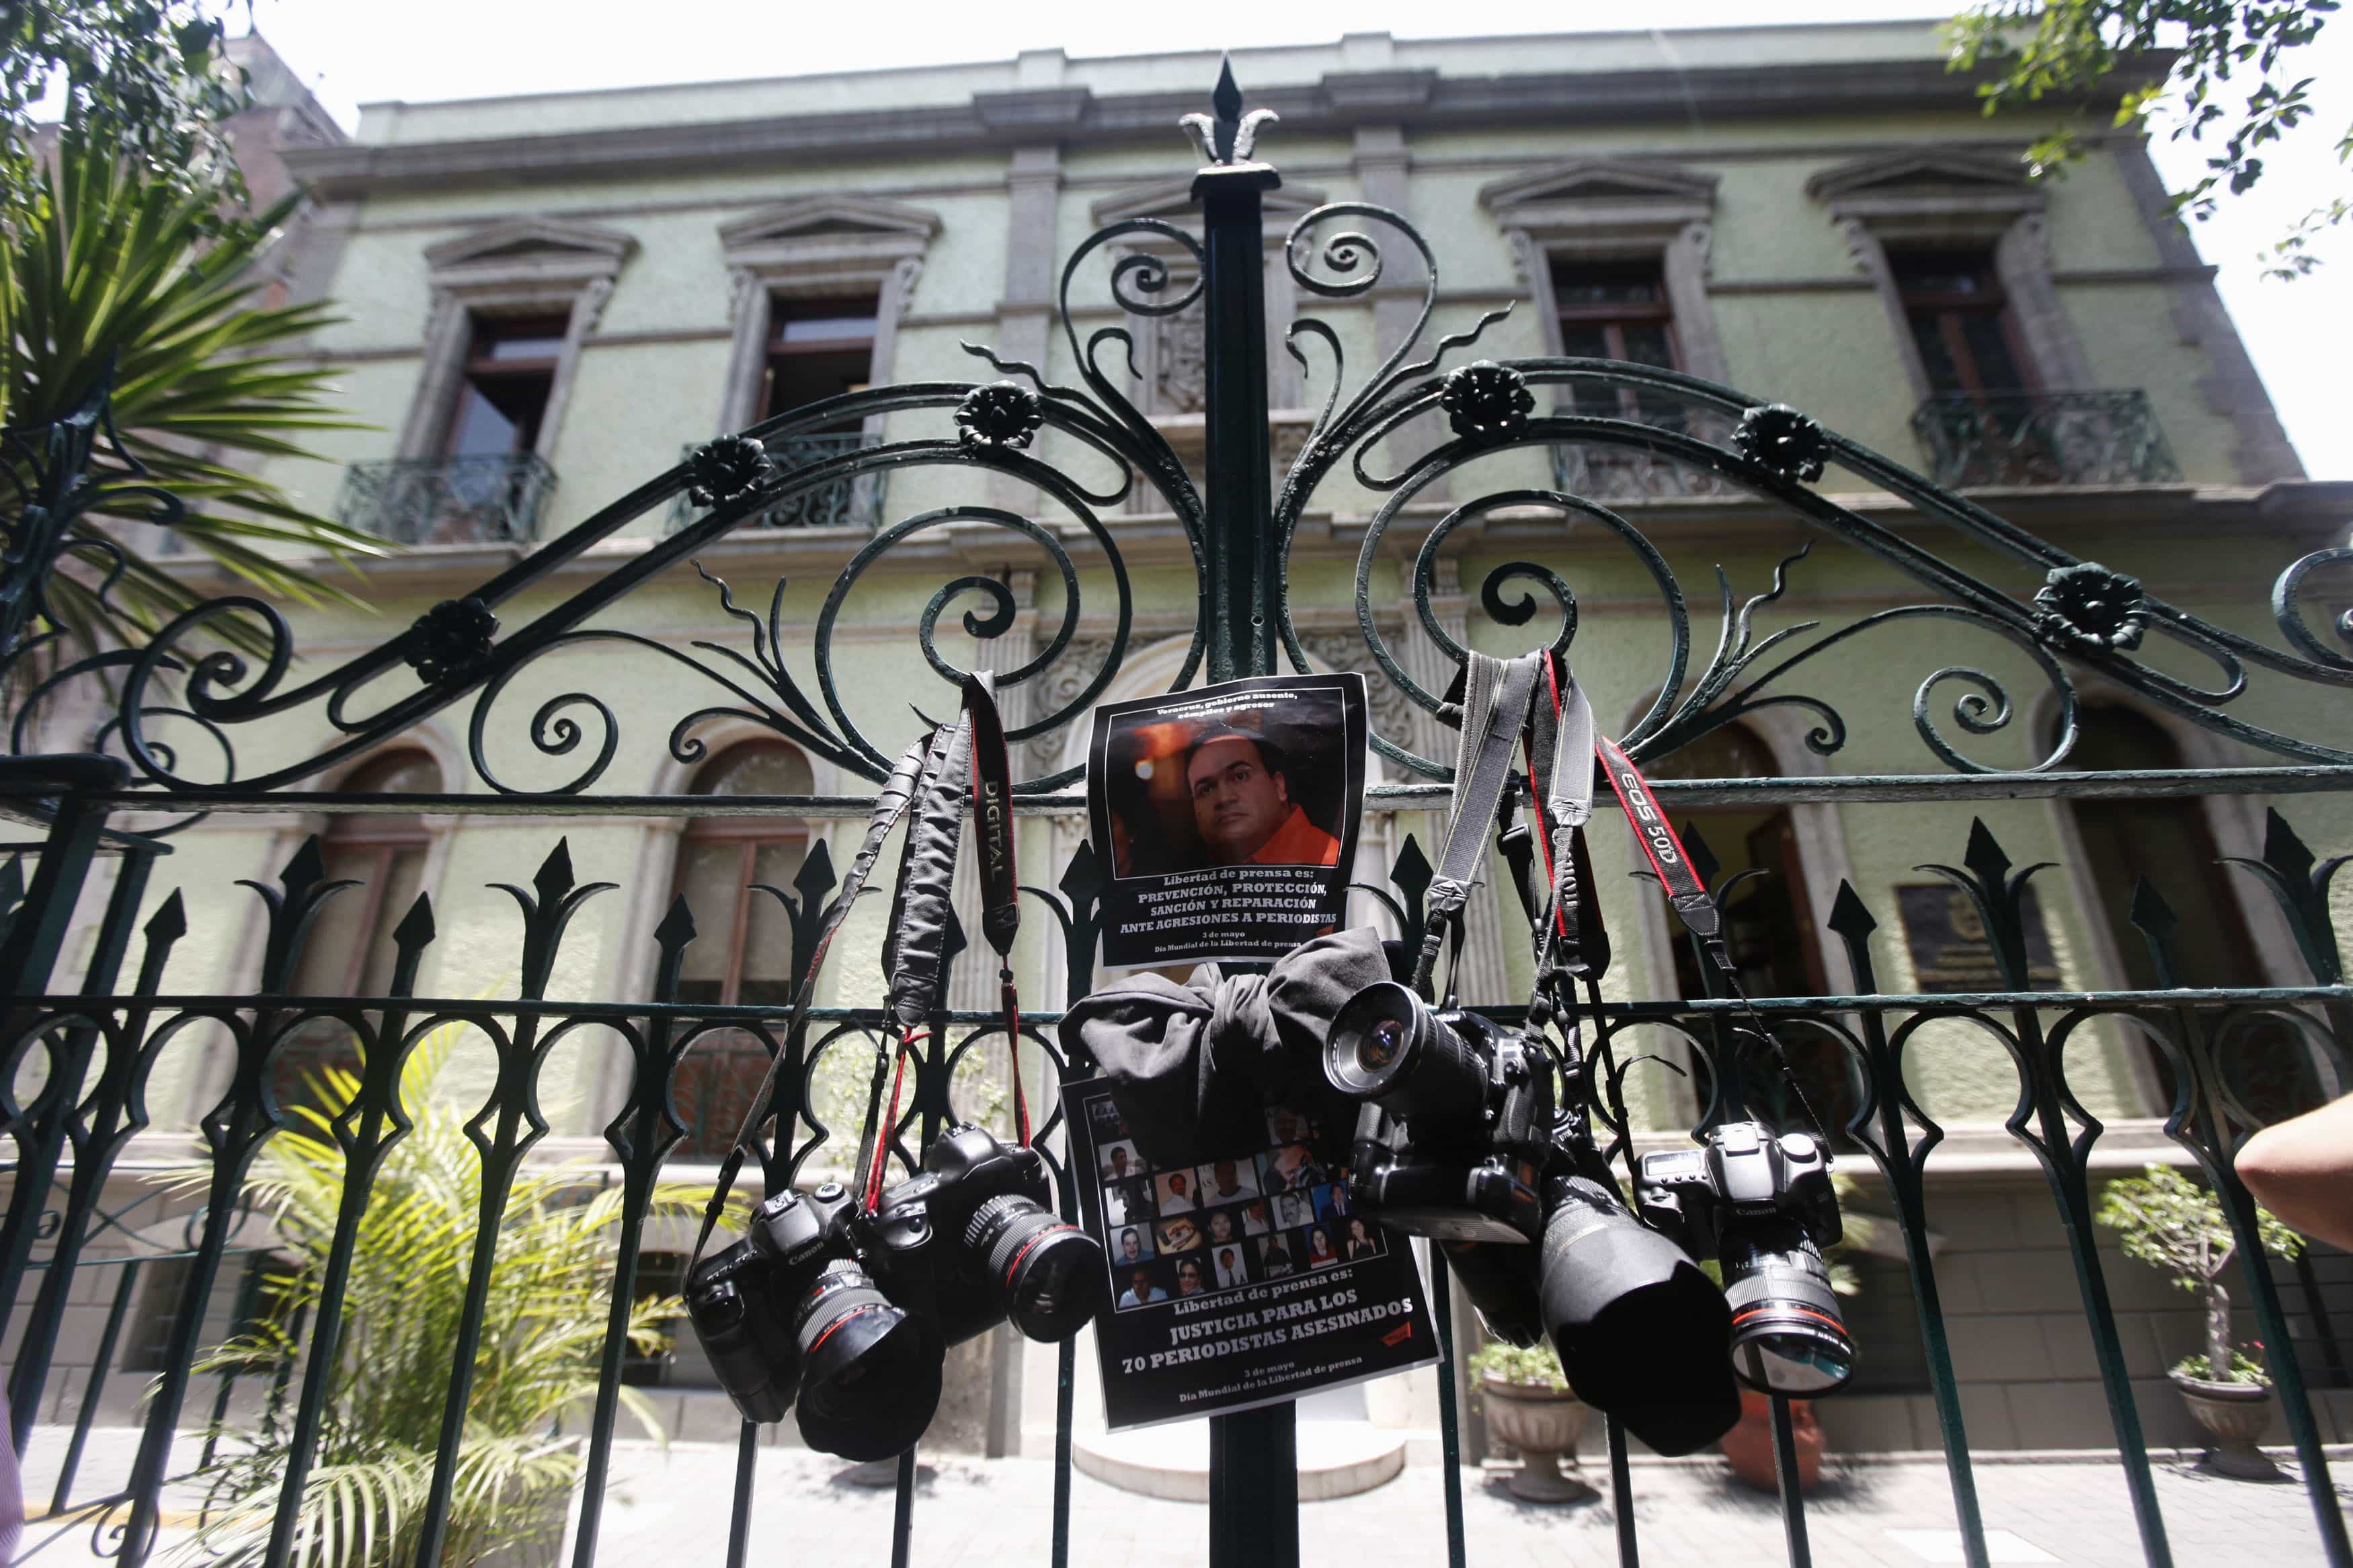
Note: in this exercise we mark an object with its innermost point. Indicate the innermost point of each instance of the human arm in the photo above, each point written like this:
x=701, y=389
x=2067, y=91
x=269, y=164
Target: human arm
x=2302, y=1170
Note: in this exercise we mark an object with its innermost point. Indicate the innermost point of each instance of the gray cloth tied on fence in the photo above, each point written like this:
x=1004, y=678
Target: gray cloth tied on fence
x=1194, y=1067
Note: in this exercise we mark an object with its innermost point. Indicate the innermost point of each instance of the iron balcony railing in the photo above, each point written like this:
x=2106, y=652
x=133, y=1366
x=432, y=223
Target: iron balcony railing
x=448, y=500
x=2044, y=438
x=853, y=502
x=1620, y=473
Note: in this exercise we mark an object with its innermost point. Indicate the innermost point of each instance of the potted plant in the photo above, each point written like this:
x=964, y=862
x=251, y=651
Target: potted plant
x=1528, y=1404
x=2169, y=1222
x=1748, y=1447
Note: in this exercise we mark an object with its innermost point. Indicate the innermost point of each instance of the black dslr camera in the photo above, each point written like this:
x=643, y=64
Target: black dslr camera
x=1456, y=1118
x=790, y=1320
x=1765, y=1207
x=973, y=1241
x=845, y=1317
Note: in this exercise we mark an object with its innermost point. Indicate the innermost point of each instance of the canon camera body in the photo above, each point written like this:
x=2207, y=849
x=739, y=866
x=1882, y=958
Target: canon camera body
x=1455, y=1118
x=845, y=1317
x=1764, y=1208
x=973, y=1240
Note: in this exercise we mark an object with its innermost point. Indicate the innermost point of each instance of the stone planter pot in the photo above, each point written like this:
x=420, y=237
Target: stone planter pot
x=2234, y=1415
x=1543, y=1424
x=1748, y=1447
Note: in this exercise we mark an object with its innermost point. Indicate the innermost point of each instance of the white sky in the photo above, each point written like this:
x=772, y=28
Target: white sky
x=422, y=50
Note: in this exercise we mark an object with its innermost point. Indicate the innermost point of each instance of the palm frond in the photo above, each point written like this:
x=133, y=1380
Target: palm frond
x=113, y=272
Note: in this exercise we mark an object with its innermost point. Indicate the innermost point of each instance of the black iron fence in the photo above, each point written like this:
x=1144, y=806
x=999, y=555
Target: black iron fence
x=81, y=1051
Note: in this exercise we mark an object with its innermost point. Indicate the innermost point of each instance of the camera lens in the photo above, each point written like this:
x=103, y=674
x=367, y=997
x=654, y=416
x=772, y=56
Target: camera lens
x=1382, y=1044
x=871, y=1377
x=1385, y=1045
x=1635, y=1322
x=1050, y=1274
x=1786, y=1334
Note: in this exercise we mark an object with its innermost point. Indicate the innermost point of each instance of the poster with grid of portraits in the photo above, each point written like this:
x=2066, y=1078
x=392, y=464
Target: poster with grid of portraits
x=1236, y=1281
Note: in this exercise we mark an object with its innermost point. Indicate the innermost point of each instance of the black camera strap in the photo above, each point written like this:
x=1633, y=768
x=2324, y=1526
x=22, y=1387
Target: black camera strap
x=968, y=762
x=890, y=805
x=934, y=770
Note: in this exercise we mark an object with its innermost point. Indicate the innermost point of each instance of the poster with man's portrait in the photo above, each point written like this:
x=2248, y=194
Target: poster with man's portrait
x=1230, y=817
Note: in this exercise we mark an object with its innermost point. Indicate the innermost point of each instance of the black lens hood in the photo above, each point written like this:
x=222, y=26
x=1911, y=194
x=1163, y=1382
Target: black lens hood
x=870, y=1384
x=1642, y=1332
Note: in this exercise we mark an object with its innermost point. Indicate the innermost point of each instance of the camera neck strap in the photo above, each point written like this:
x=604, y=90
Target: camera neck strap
x=1497, y=695
x=1568, y=804
x=973, y=747
x=890, y=805
x=967, y=765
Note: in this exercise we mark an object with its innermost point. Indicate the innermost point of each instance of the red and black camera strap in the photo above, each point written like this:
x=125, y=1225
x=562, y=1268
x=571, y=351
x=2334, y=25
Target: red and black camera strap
x=1563, y=746
x=937, y=770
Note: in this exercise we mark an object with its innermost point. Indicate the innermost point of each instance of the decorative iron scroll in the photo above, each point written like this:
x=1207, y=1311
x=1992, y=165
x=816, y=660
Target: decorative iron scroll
x=230, y=663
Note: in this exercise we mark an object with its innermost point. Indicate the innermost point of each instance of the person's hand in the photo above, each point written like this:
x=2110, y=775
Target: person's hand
x=2302, y=1170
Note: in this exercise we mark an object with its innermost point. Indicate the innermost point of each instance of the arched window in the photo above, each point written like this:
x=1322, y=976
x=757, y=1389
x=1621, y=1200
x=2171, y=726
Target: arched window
x=349, y=951
x=1769, y=925
x=2170, y=843
x=742, y=954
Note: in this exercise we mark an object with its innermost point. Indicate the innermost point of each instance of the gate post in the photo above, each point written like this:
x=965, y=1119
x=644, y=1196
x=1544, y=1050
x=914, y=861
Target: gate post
x=1253, y=1454
x=27, y=954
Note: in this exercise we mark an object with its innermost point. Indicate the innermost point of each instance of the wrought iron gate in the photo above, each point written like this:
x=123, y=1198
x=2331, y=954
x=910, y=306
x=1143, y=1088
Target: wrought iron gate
x=166, y=747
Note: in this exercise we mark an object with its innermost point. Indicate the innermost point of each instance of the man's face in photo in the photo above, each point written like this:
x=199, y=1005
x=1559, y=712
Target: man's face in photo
x=1128, y=1247
x=1176, y=1185
x=1140, y=1282
x=1119, y=1163
x=1238, y=803
x=1227, y=1182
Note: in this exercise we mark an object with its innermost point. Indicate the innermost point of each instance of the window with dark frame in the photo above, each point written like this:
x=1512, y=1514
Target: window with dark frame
x=1960, y=321
x=349, y=951
x=743, y=955
x=2168, y=840
x=818, y=349
x=502, y=395
x=1617, y=310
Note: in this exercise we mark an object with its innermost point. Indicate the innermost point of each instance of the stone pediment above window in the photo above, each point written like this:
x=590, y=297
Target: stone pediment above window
x=528, y=253
x=1602, y=199
x=1934, y=194
x=815, y=240
x=1172, y=201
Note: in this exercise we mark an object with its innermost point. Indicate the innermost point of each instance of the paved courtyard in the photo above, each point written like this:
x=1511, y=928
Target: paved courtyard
x=671, y=1510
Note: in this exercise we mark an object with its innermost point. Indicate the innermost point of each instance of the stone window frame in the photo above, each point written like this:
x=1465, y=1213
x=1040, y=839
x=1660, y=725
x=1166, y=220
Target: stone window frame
x=1616, y=209
x=1958, y=199
x=814, y=247
x=517, y=266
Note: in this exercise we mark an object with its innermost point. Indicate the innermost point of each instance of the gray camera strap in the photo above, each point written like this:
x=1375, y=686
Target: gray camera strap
x=1495, y=701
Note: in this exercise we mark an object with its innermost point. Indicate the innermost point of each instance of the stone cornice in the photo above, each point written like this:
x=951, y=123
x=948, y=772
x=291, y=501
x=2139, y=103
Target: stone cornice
x=1333, y=104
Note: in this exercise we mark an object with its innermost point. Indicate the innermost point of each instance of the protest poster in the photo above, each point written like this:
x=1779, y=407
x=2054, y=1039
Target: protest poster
x=1229, y=817
x=1236, y=1282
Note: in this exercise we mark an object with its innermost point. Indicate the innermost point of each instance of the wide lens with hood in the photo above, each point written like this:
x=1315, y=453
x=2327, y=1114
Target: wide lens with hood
x=1386, y=1046
x=1787, y=1336
x=870, y=1372
x=1641, y=1330
x=1048, y=1274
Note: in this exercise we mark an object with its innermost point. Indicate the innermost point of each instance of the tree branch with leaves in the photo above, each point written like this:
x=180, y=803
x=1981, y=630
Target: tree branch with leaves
x=2172, y=1224
x=2230, y=83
